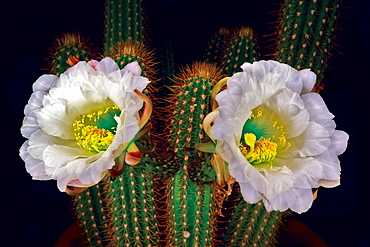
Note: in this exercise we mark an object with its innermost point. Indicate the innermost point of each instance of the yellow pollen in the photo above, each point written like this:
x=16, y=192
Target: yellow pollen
x=259, y=153
x=93, y=139
x=95, y=131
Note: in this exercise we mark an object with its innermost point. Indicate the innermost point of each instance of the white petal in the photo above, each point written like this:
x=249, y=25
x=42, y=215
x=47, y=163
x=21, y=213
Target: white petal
x=249, y=194
x=308, y=80
x=94, y=171
x=313, y=141
x=319, y=113
x=107, y=66
x=30, y=125
x=278, y=181
x=44, y=83
x=57, y=156
x=307, y=171
x=303, y=201
x=57, y=120
x=133, y=68
x=330, y=165
x=290, y=110
x=281, y=201
x=34, y=166
x=140, y=82
x=35, y=102
x=339, y=142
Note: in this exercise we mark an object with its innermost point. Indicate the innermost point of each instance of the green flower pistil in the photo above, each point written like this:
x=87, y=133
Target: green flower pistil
x=95, y=131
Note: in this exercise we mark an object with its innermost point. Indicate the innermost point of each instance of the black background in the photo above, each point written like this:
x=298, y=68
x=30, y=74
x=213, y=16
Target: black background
x=35, y=213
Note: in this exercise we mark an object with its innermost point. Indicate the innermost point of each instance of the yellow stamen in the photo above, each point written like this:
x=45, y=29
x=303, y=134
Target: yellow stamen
x=95, y=131
x=260, y=152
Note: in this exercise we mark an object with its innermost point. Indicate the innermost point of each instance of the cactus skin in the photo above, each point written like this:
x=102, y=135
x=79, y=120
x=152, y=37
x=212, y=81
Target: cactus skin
x=241, y=48
x=69, y=44
x=306, y=34
x=132, y=212
x=90, y=207
x=191, y=204
x=123, y=22
x=252, y=225
x=216, y=46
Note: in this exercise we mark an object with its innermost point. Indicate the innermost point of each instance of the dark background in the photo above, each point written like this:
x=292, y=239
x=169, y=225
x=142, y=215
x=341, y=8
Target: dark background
x=35, y=213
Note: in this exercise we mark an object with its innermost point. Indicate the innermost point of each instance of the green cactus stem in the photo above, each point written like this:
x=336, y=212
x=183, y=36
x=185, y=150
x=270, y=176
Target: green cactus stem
x=191, y=204
x=306, y=34
x=123, y=22
x=90, y=207
x=241, y=48
x=216, y=46
x=69, y=44
x=252, y=225
x=132, y=209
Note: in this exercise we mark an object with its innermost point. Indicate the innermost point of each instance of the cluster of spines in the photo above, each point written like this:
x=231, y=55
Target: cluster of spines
x=69, y=44
x=306, y=34
x=123, y=22
x=241, y=48
x=191, y=204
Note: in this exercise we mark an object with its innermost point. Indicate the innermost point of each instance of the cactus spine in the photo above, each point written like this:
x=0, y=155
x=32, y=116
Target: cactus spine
x=306, y=34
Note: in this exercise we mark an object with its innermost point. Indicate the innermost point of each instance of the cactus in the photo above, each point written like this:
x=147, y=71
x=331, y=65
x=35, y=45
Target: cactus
x=216, y=46
x=306, y=34
x=173, y=196
x=69, y=44
x=90, y=207
x=191, y=201
x=123, y=22
x=241, y=48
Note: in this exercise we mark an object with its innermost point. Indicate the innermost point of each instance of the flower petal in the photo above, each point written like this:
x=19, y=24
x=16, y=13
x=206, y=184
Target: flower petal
x=249, y=193
x=313, y=141
x=107, y=66
x=289, y=107
x=133, y=68
x=303, y=201
x=44, y=83
x=319, y=113
x=339, y=141
x=35, y=167
x=57, y=120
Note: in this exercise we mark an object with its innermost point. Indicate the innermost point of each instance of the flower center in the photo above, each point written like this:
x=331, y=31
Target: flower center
x=262, y=138
x=259, y=153
x=95, y=131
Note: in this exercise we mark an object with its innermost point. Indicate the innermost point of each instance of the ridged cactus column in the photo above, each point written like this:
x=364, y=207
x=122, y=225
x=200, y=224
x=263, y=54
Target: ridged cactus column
x=123, y=22
x=306, y=34
x=191, y=198
x=241, y=48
